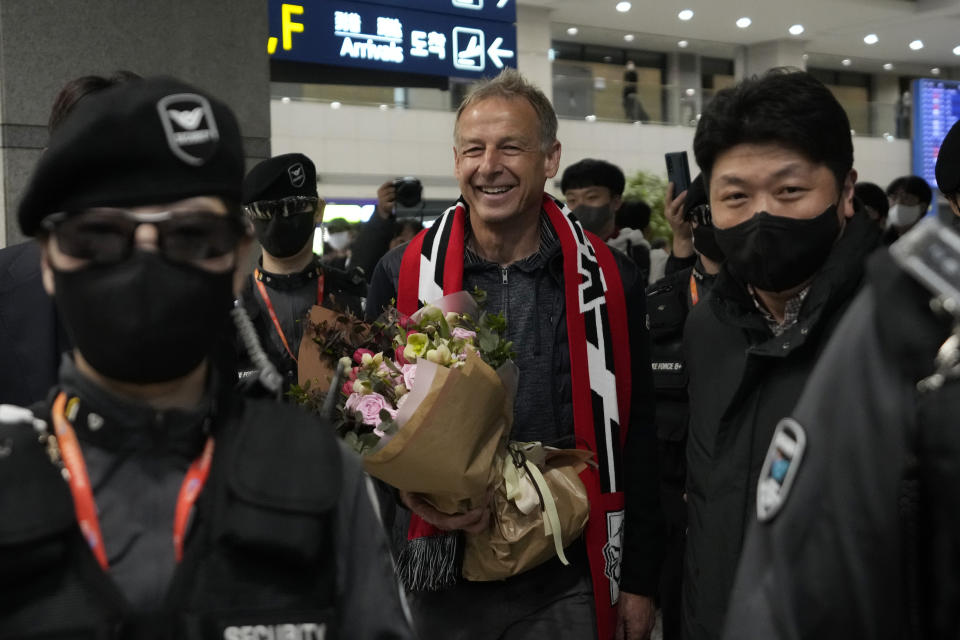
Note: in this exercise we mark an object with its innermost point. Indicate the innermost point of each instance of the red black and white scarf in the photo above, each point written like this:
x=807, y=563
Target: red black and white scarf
x=599, y=345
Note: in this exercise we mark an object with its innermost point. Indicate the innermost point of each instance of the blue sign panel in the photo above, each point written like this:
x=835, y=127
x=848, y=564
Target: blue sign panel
x=391, y=37
x=936, y=106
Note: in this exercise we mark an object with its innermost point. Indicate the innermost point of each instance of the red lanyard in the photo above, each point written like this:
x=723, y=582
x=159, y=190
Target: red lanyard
x=83, y=502
x=257, y=278
x=694, y=293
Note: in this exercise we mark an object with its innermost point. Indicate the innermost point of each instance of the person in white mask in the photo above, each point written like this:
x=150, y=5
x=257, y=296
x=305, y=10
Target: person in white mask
x=910, y=197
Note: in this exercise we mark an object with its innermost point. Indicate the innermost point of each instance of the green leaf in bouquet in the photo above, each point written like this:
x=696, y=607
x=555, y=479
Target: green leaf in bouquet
x=368, y=441
x=391, y=365
x=487, y=341
x=352, y=440
x=387, y=425
x=479, y=296
x=444, y=327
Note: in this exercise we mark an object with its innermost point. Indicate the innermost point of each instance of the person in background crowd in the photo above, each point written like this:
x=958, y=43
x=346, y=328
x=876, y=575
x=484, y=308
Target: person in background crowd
x=522, y=250
x=593, y=190
x=632, y=107
x=32, y=338
x=669, y=302
x=874, y=202
x=280, y=198
x=856, y=534
x=910, y=198
x=682, y=255
x=632, y=220
x=148, y=501
x=777, y=159
x=339, y=246
x=378, y=232
x=404, y=231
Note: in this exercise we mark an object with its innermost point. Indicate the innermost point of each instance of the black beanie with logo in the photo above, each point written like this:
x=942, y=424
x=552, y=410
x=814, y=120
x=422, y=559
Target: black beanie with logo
x=144, y=142
x=283, y=176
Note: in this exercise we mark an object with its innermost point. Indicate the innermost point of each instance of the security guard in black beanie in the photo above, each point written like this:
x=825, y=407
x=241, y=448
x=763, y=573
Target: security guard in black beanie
x=857, y=534
x=145, y=498
x=280, y=198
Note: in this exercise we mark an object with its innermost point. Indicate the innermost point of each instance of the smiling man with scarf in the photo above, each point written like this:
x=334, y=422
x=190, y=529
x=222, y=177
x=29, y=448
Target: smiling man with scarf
x=575, y=313
x=777, y=156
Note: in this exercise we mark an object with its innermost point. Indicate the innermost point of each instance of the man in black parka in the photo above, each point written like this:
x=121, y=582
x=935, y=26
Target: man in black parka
x=859, y=537
x=777, y=156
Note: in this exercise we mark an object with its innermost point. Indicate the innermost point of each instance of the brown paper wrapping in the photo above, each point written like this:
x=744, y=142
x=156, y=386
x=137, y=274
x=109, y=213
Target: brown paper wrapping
x=447, y=448
x=312, y=365
x=516, y=542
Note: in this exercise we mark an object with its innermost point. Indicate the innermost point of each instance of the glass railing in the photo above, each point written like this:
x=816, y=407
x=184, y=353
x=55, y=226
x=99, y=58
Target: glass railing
x=592, y=98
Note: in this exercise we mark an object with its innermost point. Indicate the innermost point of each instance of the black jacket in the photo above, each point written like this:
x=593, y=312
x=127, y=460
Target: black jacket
x=530, y=293
x=867, y=542
x=743, y=380
x=293, y=296
x=31, y=337
x=265, y=550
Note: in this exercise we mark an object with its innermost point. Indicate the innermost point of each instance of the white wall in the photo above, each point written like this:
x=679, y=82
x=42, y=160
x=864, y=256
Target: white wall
x=358, y=148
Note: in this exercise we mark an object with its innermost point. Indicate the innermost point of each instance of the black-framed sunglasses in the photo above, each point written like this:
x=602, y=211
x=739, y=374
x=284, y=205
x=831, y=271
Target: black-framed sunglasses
x=285, y=207
x=107, y=235
x=701, y=215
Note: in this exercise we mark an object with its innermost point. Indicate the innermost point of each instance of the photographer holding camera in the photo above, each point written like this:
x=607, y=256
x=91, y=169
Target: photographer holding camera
x=377, y=234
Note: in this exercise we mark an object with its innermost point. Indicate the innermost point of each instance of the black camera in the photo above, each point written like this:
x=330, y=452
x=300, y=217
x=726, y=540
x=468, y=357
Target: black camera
x=409, y=191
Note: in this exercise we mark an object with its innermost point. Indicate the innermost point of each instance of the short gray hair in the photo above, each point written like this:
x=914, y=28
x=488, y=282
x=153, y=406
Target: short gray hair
x=511, y=85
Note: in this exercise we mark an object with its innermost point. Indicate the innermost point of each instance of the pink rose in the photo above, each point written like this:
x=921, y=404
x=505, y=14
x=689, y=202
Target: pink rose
x=347, y=387
x=409, y=372
x=369, y=407
x=359, y=353
x=459, y=333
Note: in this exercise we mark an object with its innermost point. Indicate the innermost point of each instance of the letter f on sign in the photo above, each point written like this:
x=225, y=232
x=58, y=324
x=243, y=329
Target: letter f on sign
x=288, y=25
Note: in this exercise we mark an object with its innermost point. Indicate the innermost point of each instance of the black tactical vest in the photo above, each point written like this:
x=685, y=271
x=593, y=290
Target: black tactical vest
x=258, y=559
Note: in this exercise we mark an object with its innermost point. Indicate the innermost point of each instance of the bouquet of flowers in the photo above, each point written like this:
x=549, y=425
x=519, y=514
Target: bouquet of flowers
x=428, y=403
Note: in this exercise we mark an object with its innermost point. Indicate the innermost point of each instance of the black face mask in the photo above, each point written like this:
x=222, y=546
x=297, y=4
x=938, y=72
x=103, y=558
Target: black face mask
x=283, y=237
x=144, y=319
x=774, y=253
x=593, y=219
x=705, y=243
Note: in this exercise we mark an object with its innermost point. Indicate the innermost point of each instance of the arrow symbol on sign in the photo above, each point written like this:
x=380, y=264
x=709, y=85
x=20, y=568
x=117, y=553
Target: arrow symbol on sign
x=495, y=52
x=502, y=4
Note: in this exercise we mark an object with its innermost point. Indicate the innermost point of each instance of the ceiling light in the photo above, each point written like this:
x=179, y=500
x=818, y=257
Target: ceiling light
x=796, y=29
x=956, y=51
x=591, y=118
x=629, y=37
x=384, y=107
x=871, y=38
x=888, y=66
x=916, y=45
x=683, y=44
x=805, y=56
x=285, y=100
x=935, y=71
x=691, y=92
x=335, y=105
x=685, y=15
x=846, y=62
x=744, y=22
x=623, y=7
x=572, y=31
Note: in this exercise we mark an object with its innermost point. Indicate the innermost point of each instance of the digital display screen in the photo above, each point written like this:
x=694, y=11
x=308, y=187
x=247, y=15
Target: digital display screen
x=451, y=38
x=936, y=107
